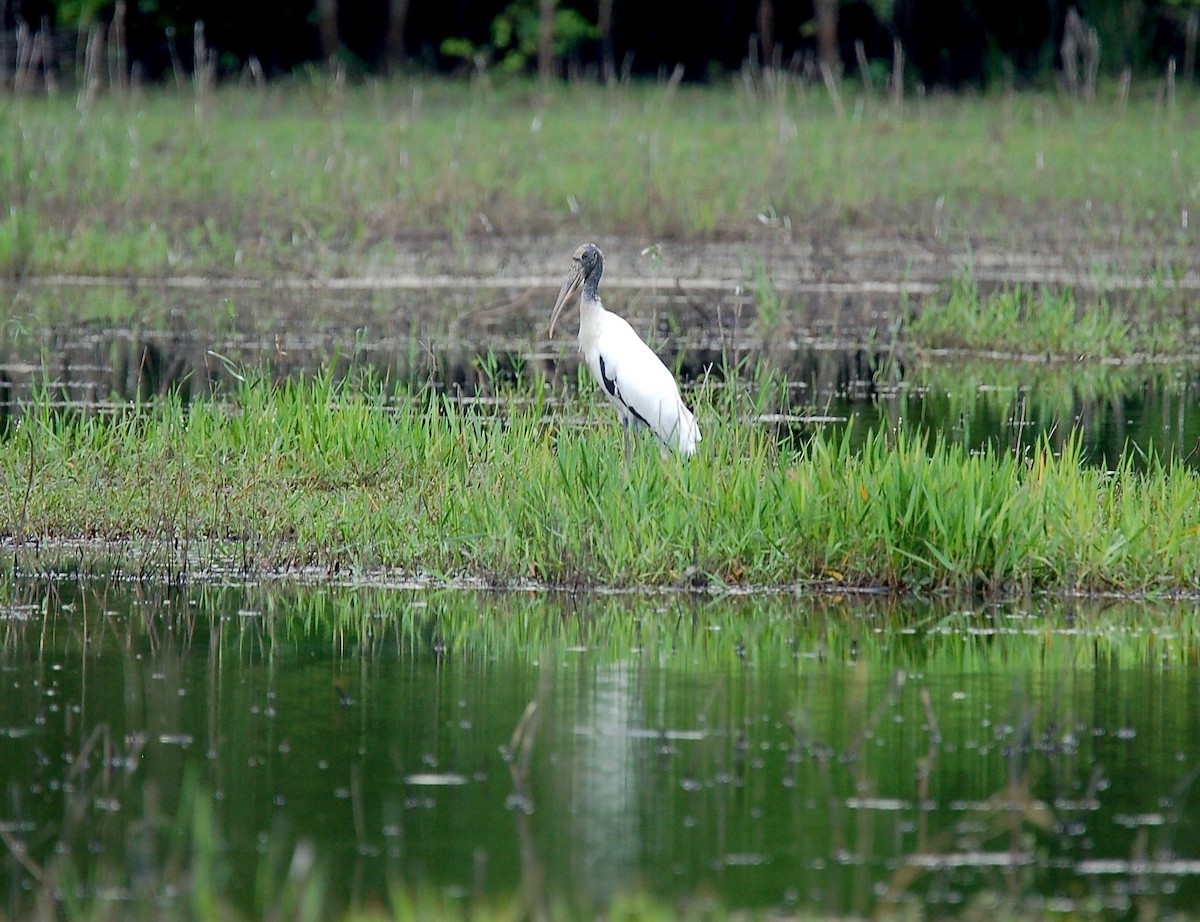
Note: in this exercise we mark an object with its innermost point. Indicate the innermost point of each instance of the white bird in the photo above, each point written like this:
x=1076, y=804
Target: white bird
x=633, y=377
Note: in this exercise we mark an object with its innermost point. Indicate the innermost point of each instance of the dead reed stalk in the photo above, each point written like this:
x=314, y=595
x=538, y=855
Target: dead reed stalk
x=204, y=68
x=831, y=87
x=89, y=85
x=118, y=72
x=864, y=70
x=897, y=74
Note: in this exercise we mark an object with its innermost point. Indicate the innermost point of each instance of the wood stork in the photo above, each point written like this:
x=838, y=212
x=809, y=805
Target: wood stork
x=633, y=377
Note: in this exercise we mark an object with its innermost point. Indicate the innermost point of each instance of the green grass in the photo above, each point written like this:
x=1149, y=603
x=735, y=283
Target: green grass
x=1044, y=323
x=308, y=175
x=308, y=474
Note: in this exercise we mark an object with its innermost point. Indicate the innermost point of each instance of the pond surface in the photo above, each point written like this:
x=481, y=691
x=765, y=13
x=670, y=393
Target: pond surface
x=829, y=754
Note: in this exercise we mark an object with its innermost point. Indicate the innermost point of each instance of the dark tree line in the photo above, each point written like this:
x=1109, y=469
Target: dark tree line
x=946, y=42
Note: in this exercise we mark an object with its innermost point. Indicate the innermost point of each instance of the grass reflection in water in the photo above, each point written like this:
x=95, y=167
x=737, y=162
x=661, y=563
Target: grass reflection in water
x=309, y=751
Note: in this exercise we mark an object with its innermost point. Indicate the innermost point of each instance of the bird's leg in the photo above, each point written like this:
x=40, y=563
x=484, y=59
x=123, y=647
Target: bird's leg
x=625, y=436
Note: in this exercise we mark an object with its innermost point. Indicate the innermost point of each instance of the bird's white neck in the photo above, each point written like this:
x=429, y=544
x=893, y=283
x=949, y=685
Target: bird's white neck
x=590, y=311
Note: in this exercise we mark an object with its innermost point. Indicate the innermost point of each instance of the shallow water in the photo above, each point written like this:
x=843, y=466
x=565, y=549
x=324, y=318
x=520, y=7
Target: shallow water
x=824, y=753
x=104, y=346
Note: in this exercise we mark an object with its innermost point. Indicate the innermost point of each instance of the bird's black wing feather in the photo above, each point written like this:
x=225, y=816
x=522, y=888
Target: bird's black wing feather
x=610, y=385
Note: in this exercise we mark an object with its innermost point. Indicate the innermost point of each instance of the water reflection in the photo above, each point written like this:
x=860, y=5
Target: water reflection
x=603, y=799
x=819, y=753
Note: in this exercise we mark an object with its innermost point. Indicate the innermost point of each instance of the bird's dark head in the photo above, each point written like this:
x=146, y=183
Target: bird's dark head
x=589, y=259
x=587, y=264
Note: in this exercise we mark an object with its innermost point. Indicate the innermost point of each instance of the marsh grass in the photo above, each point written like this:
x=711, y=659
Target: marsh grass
x=314, y=175
x=1047, y=323
x=315, y=474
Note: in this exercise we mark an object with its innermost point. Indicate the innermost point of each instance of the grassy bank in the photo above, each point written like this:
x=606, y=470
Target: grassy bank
x=313, y=175
x=313, y=475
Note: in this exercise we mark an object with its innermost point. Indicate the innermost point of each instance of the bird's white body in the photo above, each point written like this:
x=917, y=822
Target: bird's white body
x=627, y=370
x=634, y=378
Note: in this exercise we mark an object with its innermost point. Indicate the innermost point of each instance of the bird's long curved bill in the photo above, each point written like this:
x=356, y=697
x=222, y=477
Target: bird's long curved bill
x=570, y=286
